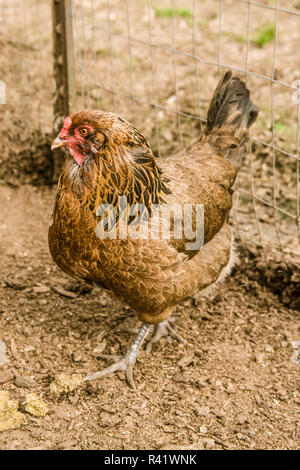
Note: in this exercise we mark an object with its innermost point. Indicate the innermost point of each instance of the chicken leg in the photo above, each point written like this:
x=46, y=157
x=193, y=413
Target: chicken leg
x=163, y=329
x=127, y=362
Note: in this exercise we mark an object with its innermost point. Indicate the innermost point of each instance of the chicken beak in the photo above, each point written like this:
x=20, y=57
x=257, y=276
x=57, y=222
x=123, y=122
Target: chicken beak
x=58, y=143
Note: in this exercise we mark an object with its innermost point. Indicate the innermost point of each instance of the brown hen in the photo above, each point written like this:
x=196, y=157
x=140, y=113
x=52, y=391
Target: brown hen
x=109, y=169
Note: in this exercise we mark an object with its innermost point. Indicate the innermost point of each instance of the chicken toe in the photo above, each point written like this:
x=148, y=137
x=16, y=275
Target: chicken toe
x=126, y=363
x=163, y=329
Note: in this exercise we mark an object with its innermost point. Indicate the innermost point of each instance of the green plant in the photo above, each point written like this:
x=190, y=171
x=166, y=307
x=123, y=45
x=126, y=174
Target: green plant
x=264, y=35
x=168, y=12
x=283, y=128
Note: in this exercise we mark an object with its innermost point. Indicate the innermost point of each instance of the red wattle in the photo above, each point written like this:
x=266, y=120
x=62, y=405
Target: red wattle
x=78, y=157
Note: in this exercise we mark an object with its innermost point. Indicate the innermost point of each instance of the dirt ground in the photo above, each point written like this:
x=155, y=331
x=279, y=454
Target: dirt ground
x=235, y=384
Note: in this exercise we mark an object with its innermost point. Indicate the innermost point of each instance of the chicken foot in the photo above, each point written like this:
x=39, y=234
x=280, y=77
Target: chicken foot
x=127, y=362
x=163, y=329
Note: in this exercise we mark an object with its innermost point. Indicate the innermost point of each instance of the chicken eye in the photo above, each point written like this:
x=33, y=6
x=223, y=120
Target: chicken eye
x=83, y=131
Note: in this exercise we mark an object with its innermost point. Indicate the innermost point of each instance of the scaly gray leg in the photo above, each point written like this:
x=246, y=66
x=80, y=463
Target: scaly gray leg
x=163, y=329
x=127, y=362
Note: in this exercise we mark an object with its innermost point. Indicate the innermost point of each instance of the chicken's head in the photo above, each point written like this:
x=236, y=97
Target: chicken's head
x=81, y=137
x=103, y=146
x=89, y=134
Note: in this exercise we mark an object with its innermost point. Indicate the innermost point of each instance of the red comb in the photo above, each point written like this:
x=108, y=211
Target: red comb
x=65, y=128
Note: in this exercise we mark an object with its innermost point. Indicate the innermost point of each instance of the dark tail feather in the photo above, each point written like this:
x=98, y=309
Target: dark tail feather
x=231, y=105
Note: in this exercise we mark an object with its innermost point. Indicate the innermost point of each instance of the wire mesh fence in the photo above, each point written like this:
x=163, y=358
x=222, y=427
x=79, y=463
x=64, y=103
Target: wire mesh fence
x=157, y=64
x=26, y=65
x=26, y=74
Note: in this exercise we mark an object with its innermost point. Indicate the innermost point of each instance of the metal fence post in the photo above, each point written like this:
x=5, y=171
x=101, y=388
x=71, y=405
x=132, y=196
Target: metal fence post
x=64, y=70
